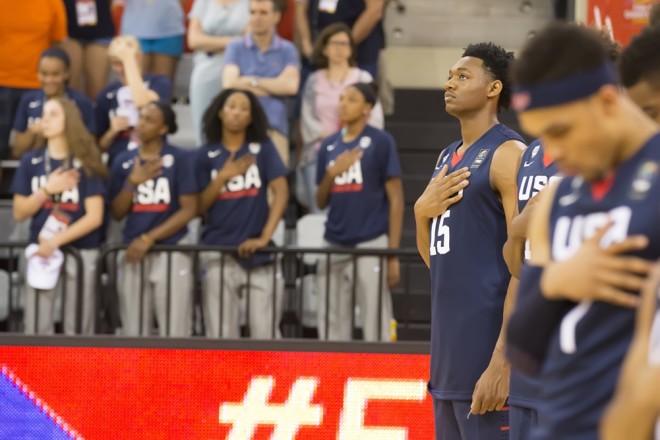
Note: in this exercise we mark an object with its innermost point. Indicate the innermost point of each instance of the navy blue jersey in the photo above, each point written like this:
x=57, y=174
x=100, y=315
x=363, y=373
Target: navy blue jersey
x=359, y=210
x=534, y=174
x=240, y=210
x=31, y=175
x=115, y=99
x=469, y=277
x=31, y=107
x=580, y=372
x=155, y=200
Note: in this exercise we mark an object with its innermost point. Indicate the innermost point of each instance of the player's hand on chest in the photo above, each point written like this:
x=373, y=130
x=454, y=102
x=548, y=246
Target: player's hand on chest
x=144, y=171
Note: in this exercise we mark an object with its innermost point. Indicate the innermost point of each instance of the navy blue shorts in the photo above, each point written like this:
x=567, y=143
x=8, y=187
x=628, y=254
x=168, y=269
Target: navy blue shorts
x=522, y=420
x=452, y=422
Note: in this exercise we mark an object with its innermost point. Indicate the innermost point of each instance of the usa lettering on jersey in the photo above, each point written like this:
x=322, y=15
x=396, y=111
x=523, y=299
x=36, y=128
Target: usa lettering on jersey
x=571, y=232
x=350, y=180
x=532, y=185
x=569, y=235
x=243, y=185
x=69, y=199
x=152, y=196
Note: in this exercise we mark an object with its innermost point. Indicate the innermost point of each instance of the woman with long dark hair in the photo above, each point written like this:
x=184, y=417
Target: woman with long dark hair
x=60, y=189
x=235, y=171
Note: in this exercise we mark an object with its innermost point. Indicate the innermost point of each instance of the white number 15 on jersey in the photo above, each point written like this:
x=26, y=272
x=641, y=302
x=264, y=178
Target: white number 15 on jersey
x=440, y=235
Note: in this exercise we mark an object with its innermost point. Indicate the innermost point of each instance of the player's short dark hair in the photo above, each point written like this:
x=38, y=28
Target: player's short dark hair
x=169, y=117
x=558, y=51
x=257, y=131
x=496, y=62
x=641, y=59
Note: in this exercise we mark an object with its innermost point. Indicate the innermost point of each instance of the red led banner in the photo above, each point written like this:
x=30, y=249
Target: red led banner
x=101, y=393
x=623, y=18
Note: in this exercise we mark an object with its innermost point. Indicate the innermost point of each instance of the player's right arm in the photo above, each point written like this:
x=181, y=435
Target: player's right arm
x=635, y=407
x=442, y=191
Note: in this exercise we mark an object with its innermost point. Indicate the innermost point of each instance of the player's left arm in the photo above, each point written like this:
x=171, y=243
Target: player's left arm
x=280, y=190
x=174, y=223
x=492, y=389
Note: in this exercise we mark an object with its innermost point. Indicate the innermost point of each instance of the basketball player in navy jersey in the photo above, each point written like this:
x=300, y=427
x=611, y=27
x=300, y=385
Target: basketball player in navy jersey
x=592, y=234
x=639, y=70
x=463, y=247
x=636, y=405
x=536, y=170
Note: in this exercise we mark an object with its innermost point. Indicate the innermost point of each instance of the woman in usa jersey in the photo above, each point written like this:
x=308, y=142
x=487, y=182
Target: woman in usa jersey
x=62, y=181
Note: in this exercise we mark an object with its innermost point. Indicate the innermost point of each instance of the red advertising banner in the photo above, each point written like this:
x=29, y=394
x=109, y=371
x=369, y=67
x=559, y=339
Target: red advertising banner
x=623, y=18
x=126, y=393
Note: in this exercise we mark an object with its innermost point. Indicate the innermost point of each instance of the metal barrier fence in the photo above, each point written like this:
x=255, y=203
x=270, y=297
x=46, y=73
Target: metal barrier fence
x=287, y=292
x=12, y=253
x=284, y=275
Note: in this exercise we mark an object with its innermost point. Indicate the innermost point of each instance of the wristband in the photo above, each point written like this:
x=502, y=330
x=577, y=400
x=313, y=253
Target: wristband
x=148, y=239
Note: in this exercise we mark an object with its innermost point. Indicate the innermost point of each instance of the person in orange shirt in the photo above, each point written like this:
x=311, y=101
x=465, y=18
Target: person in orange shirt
x=26, y=30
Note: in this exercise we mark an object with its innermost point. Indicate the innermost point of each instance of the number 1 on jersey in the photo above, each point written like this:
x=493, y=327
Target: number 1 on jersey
x=440, y=235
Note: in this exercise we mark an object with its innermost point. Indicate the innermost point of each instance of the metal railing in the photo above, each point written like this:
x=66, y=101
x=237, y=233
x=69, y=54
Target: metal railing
x=12, y=253
x=287, y=269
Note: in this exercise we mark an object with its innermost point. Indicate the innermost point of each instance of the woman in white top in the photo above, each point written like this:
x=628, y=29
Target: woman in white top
x=213, y=24
x=334, y=57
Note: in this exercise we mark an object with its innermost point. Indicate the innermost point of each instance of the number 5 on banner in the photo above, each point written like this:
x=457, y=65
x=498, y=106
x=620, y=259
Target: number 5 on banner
x=359, y=392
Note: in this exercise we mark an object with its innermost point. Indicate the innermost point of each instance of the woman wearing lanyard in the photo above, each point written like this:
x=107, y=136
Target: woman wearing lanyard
x=53, y=74
x=154, y=188
x=235, y=171
x=335, y=59
x=60, y=189
x=359, y=178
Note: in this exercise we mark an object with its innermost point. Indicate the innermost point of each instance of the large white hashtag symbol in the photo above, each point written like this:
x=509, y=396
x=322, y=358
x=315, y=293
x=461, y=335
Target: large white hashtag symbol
x=287, y=418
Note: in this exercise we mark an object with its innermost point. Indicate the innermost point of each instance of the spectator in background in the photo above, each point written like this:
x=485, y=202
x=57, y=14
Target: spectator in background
x=154, y=189
x=90, y=28
x=213, y=25
x=234, y=172
x=54, y=72
x=335, y=59
x=359, y=178
x=654, y=15
x=26, y=30
x=364, y=17
x=62, y=183
x=118, y=105
x=266, y=65
x=159, y=25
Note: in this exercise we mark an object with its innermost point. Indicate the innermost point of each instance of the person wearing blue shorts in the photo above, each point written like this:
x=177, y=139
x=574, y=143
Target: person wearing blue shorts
x=463, y=218
x=159, y=26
